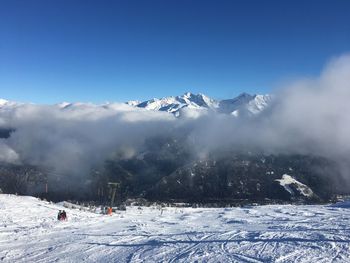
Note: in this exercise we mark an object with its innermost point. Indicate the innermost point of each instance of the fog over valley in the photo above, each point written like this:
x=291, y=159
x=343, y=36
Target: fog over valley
x=308, y=117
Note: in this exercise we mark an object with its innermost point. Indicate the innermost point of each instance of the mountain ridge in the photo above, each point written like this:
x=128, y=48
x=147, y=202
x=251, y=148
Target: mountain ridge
x=243, y=104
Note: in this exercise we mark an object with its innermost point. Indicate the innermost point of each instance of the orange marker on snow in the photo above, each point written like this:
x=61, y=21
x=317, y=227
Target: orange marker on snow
x=109, y=211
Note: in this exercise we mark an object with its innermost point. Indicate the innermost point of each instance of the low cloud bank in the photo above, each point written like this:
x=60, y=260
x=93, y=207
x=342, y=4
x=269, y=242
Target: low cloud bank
x=310, y=116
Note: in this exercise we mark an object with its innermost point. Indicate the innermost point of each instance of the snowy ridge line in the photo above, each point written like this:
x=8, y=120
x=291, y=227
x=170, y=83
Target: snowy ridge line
x=244, y=104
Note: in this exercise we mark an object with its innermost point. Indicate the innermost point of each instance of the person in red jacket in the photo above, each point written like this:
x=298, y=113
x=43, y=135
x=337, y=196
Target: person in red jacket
x=62, y=215
x=109, y=211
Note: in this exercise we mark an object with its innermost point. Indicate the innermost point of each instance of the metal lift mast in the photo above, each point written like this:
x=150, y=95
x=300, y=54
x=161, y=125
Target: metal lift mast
x=113, y=189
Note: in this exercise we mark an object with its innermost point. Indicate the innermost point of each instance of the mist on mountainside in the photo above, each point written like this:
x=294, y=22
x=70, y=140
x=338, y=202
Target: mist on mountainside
x=308, y=117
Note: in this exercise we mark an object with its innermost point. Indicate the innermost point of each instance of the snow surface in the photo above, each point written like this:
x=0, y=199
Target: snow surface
x=287, y=180
x=29, y=232
x=244, y=103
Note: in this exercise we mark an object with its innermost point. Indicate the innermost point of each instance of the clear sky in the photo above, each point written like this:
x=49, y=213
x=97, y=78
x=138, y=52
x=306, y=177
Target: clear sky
x=97, y=51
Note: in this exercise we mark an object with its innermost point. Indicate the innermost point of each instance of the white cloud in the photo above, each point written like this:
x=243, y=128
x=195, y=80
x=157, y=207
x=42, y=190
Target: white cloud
x=308, y=116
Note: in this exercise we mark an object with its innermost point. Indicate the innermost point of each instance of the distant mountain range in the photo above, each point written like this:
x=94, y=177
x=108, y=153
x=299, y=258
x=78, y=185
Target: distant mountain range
x=244, y=104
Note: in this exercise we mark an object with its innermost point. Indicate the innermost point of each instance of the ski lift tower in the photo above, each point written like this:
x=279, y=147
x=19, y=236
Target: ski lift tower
x=113, y=186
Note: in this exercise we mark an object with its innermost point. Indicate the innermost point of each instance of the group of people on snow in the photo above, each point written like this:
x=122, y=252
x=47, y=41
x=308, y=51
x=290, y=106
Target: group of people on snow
x=62, y=215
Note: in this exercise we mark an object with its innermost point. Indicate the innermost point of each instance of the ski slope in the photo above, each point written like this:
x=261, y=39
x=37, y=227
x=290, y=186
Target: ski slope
x=29, y=232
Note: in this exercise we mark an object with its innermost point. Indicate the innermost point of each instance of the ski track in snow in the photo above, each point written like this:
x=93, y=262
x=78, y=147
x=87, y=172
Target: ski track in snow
x=29, y=232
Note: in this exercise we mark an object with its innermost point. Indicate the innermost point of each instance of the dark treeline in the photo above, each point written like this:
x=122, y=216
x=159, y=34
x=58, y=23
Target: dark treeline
x=167, y=171
x=5, y=133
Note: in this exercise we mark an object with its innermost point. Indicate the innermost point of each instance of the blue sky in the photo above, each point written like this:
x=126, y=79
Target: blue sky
x=99, y=51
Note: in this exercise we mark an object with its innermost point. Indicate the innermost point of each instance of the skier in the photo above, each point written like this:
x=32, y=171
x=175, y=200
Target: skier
x=59, y=216
x=109, y=211
x=64, y=215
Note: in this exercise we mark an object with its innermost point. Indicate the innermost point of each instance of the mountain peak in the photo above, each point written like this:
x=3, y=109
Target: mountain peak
x=244, y=97
x=245, y=94
x=188, y=94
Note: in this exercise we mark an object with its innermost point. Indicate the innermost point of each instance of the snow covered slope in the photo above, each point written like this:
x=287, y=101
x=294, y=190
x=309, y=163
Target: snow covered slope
x=243, y=104
x=29, y=232
x=174, y=104
x=289, y=183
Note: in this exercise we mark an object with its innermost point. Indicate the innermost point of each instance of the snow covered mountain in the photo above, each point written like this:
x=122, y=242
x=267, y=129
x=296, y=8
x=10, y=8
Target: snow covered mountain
x=175, y=104
x=7, y=103
x=243, y=104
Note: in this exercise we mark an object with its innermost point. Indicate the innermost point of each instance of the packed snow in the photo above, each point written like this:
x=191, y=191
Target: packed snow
x=30, y=232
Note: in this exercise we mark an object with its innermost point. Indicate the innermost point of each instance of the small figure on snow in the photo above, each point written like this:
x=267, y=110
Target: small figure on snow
x=109, y=211
x=62, y=215
x=59, y=215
